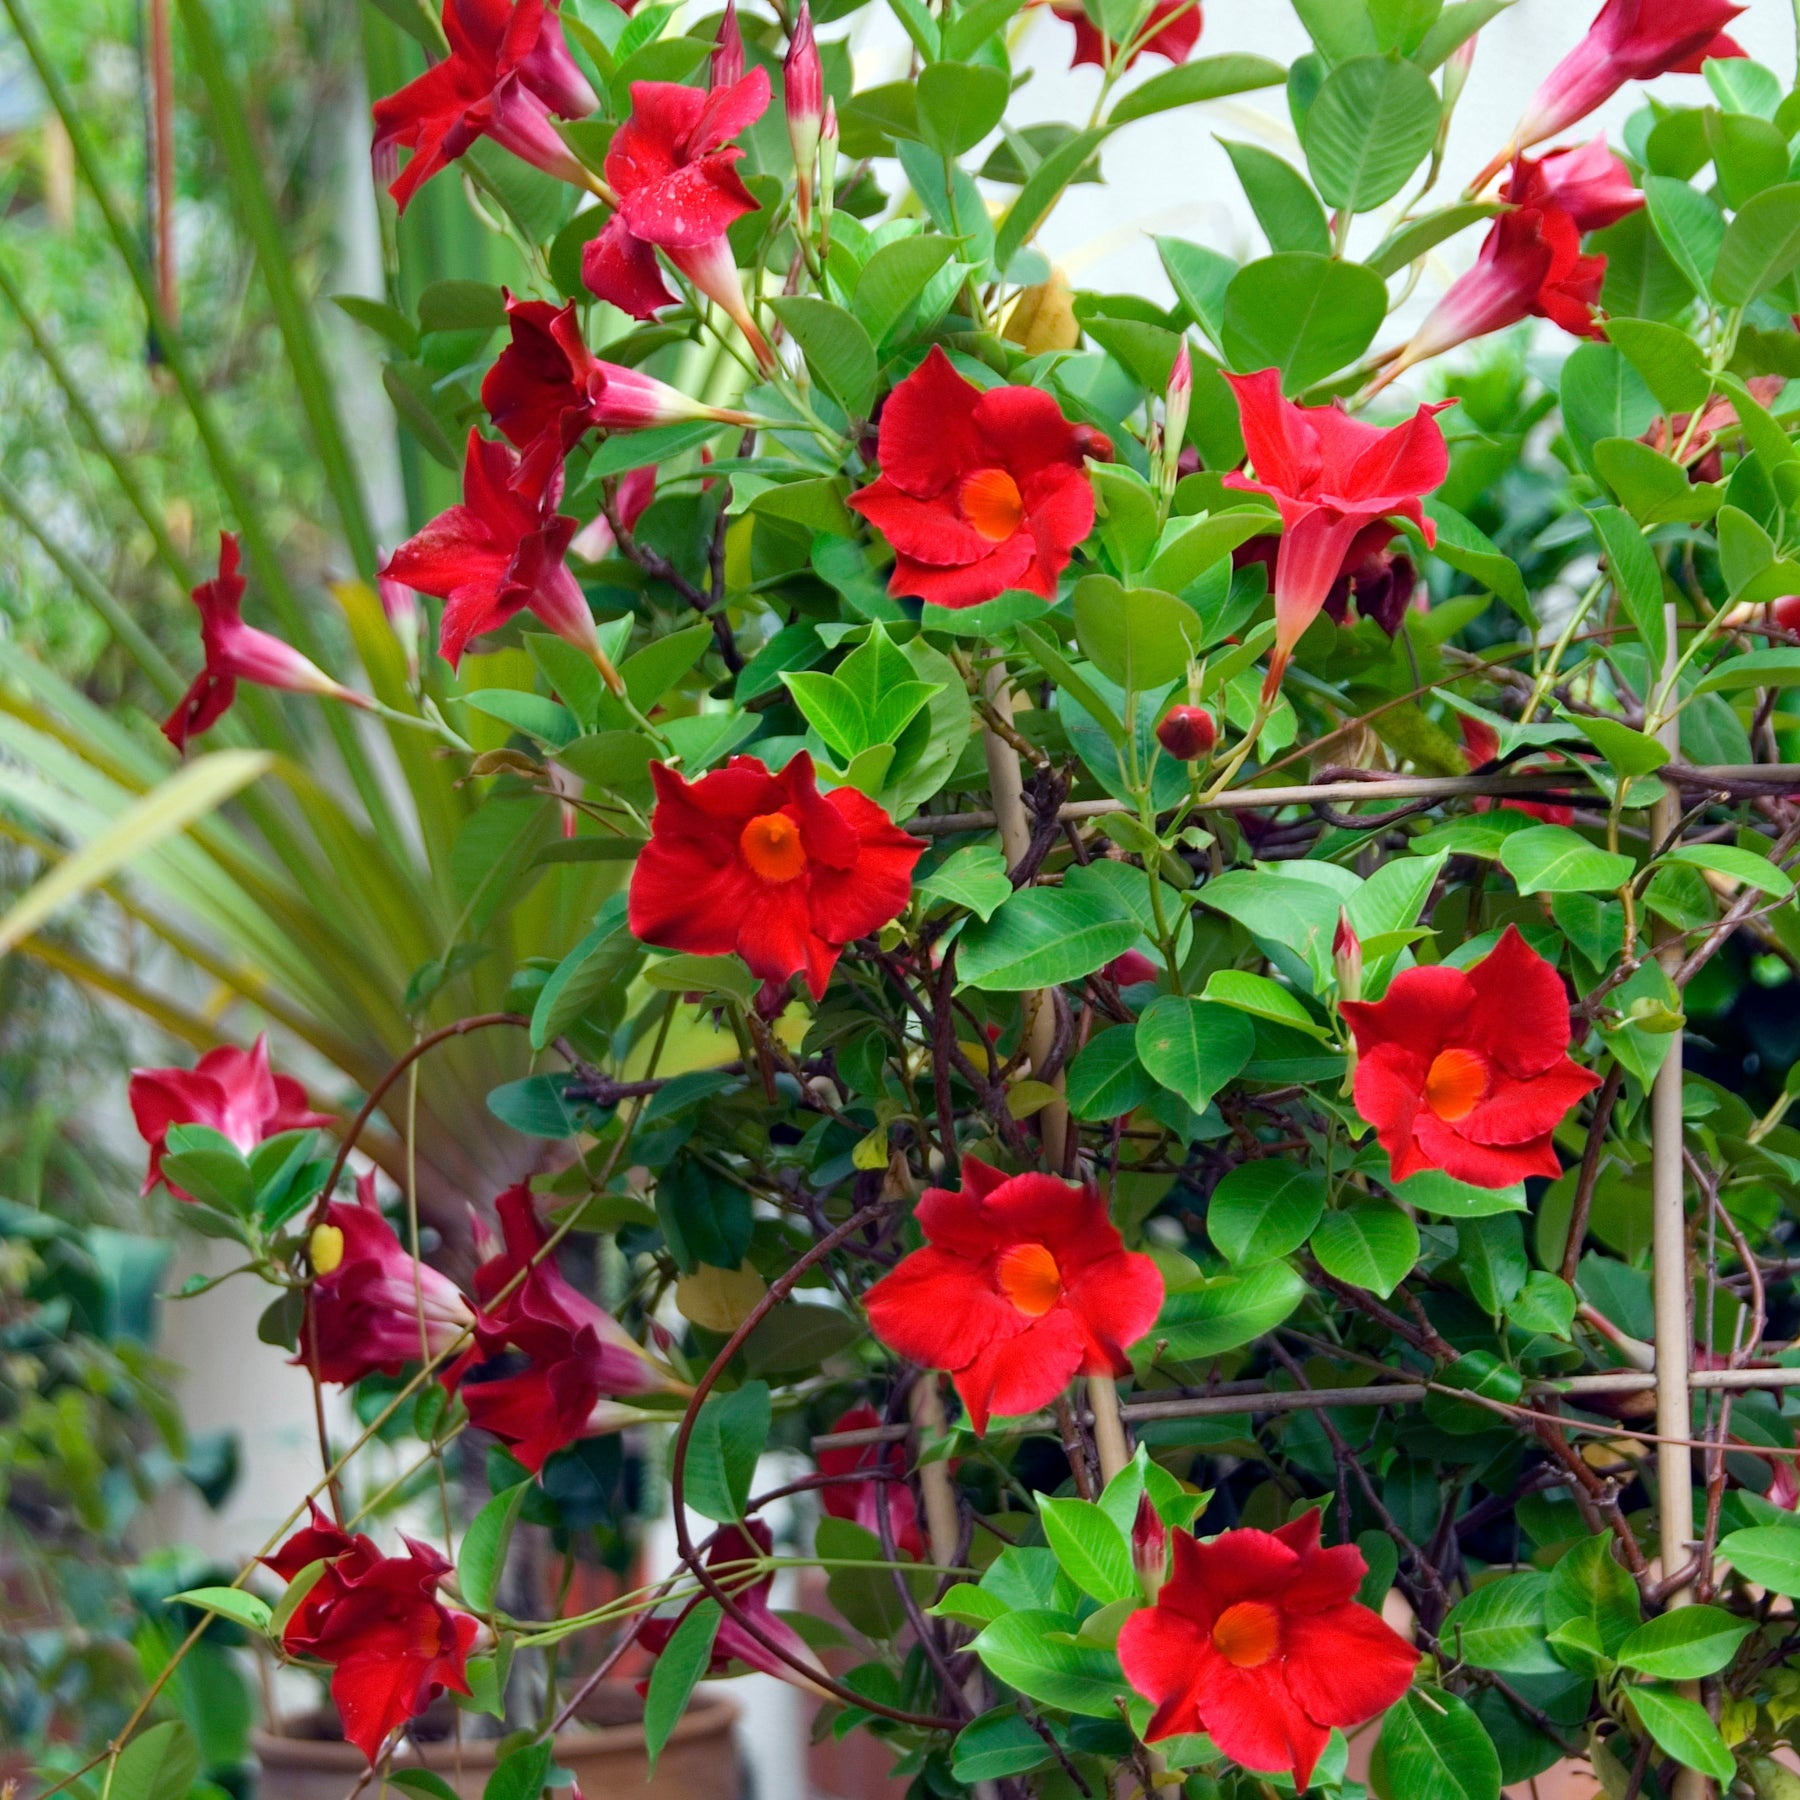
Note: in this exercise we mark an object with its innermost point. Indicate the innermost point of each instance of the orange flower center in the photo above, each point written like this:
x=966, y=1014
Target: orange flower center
x=1455, y=1083
x=1247, y=1634
x=1029, y=1278
x=992, y=503
x=772, y=847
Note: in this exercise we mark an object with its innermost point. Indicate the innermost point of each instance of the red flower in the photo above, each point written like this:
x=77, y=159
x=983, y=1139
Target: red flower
x=1468, y=1070
x=238, y=652
x=1178, y=31
x=1589, y=183
x=731, y=1548
x=1629, y=40
x=1130, y=969
x=1257, y=1640
x=547, y=388
x=856, y=1500
x=501, y=550
x=1024, y=1283
x=767, y=866
x=979, y=491
x=1482, y=743
x=370, y=1307
x=1331, y=476
x=679, y=191
x=580, y=1359
x=508, y=70
x=631, y=500
x=231, y=1090
x=394, y=1645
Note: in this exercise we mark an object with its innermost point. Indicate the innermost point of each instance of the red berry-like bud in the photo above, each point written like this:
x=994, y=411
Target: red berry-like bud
x=1187, y=732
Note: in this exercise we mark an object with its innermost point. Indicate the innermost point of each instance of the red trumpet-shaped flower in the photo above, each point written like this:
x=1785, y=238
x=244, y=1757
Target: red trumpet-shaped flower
x=674, y=169
x=979, y=491
x=1331, y=476
x=231, y=1090
x=1588, y=182
x=1468, y=1070
x=1023, y=1284
x=735, y=1546
x=393, y=1645
x=500, y=551
x=1256, y=1639
x=547, y=388
x=371, y=1307
x=767, y=866
x=1629, y=40
x=856, y=1494
x=508, y=70
x=580, y=1360
x=1177, y=31
x=238, y=652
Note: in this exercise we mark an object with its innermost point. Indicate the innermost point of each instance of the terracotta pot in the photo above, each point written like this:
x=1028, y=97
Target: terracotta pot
x=699, y=1762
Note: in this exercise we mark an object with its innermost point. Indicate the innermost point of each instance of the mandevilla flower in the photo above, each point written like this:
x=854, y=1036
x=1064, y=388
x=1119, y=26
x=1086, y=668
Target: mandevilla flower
x=581, y=1361
x=238, y=652
x=1177, y=31
x=1481, y=743
x=979, y=491
x=1256, y=1639
x=370, y=1307
x=231, y=1090
x=393, y=1645
x=767, y=866
x=858, y=1500
x=547, y=388
x=1331, y=476
x=508, y=70
x=498, y=552
x=1468, y=1070
x=1024, y=1284
x=674, y=169
x=731, y=1548
x=1588, y=182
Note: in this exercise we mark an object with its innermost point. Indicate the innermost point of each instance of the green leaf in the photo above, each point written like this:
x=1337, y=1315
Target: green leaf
x=1030, y=1650
x=1689, y=225
x=1262, y=998
x=1300, y=916
x=422, y=1784
x=728, y=1437
x=1106, y=1080
x=683, y=1661
x=1139, y=637
x=959, y=104
x=1587, y=1584
x=1371, y=124
x=1340, y=31
x=1454, y=26
x=1305, y=315
x=1189, y=547
x=1629, y=752
x=653, y=670
x=1500, y=1626
x=230, y=1603
x=1205, y=78
x=1407, y=242
x=539, y=1106
x=1040, y=937
x=686, y=972
x=894, y=277
x=1049, y=657
x=1370, y=1245
x=998, y=1744
x=1738, y=865
x=628, y=450
x=1603, y=396
x=1635, y=577
x=1199, y=277
x=1654, y=490
x=1432, y=1747
x=835, y=343
x=1193, y=1047
x=1683, y=1730
x=1670, y=362
x=161, y=1763
x=483, y=1553
x=1686, y=1643
x=1265, y=1209
x=1094, y=1553
x=1286, y=208
x=1755, y=669
x=388, y=321
x=1466, y=548
x=1768, y=1555
x=1760, y=247
x=1045, y=184
x=1750, y=156
x=532, y=714
x=579, y=979
x=1552, y=859
x=1228, y=1310
x=974, y=876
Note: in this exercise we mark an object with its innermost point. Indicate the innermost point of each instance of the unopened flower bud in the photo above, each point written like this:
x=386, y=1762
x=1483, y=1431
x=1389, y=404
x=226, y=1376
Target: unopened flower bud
x=728, y=50
x=1456, y=72
x=828, y=155
x=1176, y=402
x=803, y=91
x=1346, y=956
x=1149, y=1548
x=1187, y=732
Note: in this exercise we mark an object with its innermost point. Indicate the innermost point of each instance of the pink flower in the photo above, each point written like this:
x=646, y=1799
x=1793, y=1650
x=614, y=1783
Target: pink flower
x=1589, y=183
x=238, y=652
x=370, y=1306
x=400, y=606
x=679, y=192
x=231, y=1090
x=858, y=1499
x=500, y=551
x=631, y=500
x=1178, y=31
x=508, y=70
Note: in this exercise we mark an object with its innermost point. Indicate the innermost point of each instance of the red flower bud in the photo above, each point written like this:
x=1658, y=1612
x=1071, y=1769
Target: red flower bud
x=1346, y=955
x=728, y=50
x=1187, y=732
x=803, y=93
x=1149, y=1548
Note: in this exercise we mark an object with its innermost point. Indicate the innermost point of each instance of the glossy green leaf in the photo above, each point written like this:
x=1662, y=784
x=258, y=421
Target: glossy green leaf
x=729, y=1435
x=1500, y=1626
x=1371, y=124
x=482, y=1554
x=1033, y=1652
x=1106, y=1080
x=1683, y=1730
x=1094, y=1553
x=1042, y=936
x=1686, y=1643
x=1192, y=1047
x=1768, y=1555
x=1265, y=1209
x=1552, y=859
x=1285, y=206
x=681, y=1663
x=1202, y=78
x=1370, y=1245
x=1225, y=1311
x=1432, y=1747
x=1306, y=315
x=1760, y=247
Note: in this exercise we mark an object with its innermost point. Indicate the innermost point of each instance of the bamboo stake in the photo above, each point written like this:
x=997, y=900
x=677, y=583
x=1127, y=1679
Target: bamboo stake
x=941, y=1531
x=1109, y=1426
